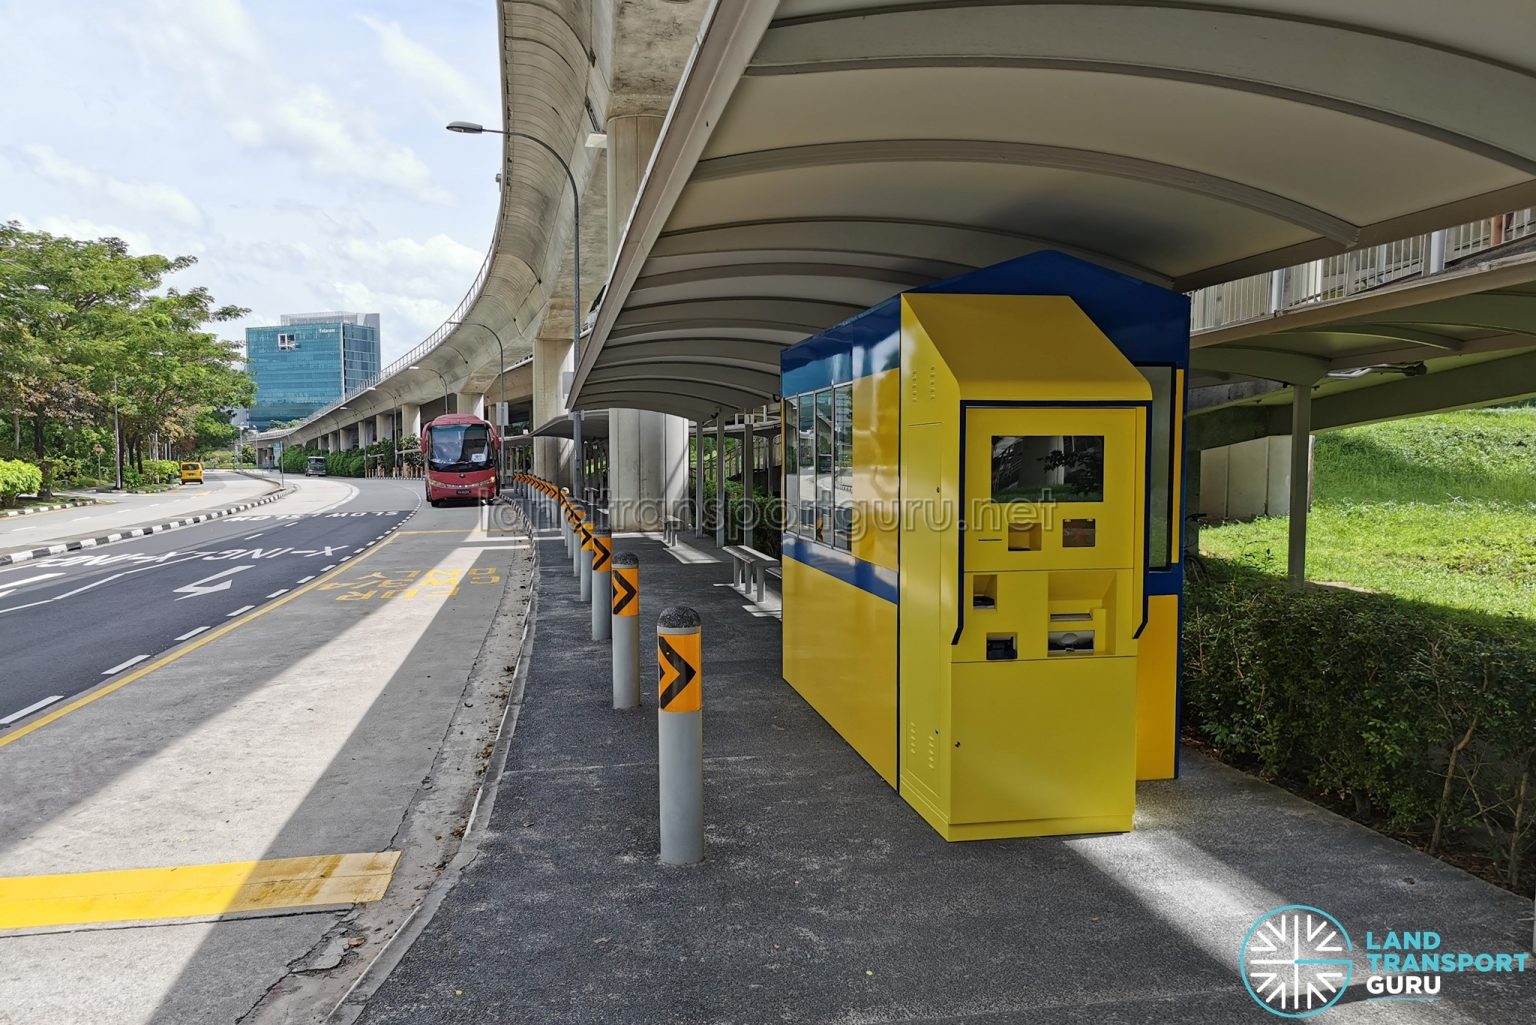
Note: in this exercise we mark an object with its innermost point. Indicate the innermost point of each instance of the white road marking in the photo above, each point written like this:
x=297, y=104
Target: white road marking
x=77, y=519
x=34, y=706
x=191, y=634
x=240, y=611
x=12, y=585
x=279, y=591
x=328, y=568
x=253, y=537
x=135, y=660
x=203, y=587
x=98, y=583
x=305, y=580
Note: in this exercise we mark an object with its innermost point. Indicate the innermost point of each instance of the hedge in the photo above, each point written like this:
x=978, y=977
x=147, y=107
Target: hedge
x=18, y=477
x=1419, y=717
x=156, y=471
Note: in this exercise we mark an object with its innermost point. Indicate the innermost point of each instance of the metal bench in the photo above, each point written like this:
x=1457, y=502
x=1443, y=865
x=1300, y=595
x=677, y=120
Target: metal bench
x=671, y=530
x=750, y=566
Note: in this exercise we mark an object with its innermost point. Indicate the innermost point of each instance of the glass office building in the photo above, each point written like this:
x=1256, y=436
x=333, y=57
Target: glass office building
x=308, y=361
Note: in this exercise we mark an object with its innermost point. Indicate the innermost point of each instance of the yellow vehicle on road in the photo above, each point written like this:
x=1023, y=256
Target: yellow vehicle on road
x=191, y=473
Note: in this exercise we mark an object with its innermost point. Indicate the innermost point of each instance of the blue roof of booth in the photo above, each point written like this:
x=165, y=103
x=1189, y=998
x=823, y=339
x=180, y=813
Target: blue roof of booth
x=1147, y=323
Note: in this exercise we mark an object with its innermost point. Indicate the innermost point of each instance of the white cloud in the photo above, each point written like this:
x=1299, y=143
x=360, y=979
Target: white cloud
x=147, y=197
x=268, y=107
x=437, y=254
x=80, y=228
x=308, y=123
x=438, y=79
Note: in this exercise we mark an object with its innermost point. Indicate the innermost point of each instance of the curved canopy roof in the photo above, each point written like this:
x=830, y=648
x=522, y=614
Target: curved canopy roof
x=821, y=155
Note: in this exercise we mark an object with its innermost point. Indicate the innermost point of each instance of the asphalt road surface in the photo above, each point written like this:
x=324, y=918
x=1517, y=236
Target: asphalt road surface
x=72, y=622
x=220, y=490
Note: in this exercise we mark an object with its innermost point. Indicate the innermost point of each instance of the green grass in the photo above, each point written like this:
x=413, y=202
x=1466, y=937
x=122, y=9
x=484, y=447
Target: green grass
x=1439, y=509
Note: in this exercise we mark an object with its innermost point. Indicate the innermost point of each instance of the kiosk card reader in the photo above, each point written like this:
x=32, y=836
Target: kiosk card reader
x=993, y=557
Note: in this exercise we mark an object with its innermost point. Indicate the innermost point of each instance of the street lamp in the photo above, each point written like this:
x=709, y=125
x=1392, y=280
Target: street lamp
x=394, y=426
x=471, y=128
x=440, y=377
x=501, y=365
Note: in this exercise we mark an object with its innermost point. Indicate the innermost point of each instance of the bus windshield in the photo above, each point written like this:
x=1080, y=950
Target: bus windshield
x=460, y=447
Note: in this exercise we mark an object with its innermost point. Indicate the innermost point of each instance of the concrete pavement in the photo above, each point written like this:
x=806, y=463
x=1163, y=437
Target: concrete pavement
x=824, y=898
x=119, y=513
x=352, y=715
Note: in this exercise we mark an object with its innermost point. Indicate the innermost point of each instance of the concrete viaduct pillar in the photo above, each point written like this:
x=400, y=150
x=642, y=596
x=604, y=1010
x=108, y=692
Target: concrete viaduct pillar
x=647, y=451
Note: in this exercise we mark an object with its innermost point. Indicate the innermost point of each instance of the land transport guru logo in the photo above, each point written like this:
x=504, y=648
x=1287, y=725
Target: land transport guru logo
x=1297, y=961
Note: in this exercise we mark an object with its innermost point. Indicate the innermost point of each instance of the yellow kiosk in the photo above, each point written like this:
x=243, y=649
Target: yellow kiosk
x=983, y=491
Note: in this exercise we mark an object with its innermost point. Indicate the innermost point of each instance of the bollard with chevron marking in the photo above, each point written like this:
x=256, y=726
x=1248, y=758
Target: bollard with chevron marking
x=584, y=556
x=680, y=728
x=601, y=596
x=626, y=630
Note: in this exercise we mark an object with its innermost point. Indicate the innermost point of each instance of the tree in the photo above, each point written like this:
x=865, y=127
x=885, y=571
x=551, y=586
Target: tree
x=167, y=372
x=85, y=332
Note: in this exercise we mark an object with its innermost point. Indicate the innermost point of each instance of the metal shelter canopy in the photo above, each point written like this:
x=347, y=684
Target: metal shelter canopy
x=821, y=155
x=1466, y=338
x=593, y=425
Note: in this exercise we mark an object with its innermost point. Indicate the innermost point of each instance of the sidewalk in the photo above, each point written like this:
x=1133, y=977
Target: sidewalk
x=824, y=898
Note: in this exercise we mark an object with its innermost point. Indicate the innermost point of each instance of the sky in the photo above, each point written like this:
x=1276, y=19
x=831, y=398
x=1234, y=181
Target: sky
x=296, y=149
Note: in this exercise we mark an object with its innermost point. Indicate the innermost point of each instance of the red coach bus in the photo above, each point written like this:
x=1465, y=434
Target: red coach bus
x=463, y=457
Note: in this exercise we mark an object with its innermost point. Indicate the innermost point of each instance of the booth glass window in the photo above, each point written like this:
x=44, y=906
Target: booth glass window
x=842, y=466
x=806, y=442
x=824, y=458
x=1048, y=468
x=791, y=465
x=1160, y=525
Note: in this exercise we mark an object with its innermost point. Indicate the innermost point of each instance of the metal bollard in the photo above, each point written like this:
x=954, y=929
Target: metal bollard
x=601, y=595
x=680, y=732
x=584, y=553
x=626, y=630
x=577, y=555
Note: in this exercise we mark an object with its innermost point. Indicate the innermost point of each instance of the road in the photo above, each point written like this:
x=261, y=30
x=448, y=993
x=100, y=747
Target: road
x=221, y=489
x=312, y=685
x=70, y=622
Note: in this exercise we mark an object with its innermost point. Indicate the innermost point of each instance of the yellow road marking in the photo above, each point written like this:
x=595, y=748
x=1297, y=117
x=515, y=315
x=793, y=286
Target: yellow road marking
x=193, y=891
x=211, y=635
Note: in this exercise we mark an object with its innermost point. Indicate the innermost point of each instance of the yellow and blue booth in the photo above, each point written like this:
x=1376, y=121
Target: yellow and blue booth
x=982, y=549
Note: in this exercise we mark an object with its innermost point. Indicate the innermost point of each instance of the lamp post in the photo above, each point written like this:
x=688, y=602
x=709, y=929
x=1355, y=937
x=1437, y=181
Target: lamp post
x=501, y=364
x=471, y=128
x=440, y=377
x=394, y=426
x=117, y=435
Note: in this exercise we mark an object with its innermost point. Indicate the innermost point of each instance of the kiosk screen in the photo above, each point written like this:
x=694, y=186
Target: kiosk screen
x=1048, y=468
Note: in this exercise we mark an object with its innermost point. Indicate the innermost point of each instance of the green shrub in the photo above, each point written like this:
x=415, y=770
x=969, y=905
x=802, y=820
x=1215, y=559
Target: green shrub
x=18, y=477
x=767, y=523
x=1421, y=715
x=350, y=463
x=155, y=473
x=295, y=460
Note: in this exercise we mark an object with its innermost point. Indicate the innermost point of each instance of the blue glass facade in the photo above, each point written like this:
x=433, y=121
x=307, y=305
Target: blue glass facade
x=301, y=367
